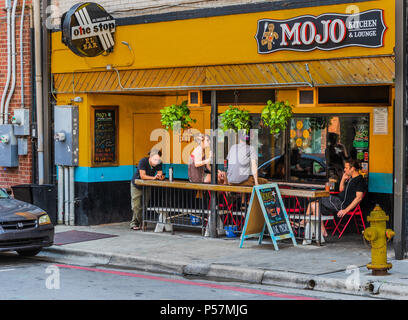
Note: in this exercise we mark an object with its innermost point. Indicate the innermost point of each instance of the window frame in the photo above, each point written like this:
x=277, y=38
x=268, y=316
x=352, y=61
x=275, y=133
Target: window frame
x=309, y=115
x=315, y=96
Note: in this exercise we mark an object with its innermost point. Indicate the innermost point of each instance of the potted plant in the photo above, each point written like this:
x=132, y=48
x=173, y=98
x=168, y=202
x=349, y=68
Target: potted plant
x=177, y=113
x=236, y=119
x=275, y=116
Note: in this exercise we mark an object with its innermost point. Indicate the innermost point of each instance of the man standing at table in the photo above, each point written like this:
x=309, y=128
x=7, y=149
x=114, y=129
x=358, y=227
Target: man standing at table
x=149, y=168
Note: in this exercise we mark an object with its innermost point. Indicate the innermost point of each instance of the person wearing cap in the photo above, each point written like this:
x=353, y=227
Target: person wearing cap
x=149, y=168
x=243, y=163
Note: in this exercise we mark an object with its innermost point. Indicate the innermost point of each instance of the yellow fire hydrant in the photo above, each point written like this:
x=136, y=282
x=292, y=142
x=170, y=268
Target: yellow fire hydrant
x=378, y=236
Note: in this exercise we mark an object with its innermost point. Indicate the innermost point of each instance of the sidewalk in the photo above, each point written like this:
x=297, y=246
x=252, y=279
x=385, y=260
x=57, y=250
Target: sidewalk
x=326, y=268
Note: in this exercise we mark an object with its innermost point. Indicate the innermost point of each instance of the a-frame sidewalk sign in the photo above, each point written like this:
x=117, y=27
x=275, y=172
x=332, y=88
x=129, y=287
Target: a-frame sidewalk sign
x=266, y=209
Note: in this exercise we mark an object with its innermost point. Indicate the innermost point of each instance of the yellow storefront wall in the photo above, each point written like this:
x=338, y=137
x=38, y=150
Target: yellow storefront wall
x=220, y=40
x=225, y=40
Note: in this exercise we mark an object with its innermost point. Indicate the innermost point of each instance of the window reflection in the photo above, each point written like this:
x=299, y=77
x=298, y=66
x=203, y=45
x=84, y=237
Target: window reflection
x=319, y=146
x=307, y=144
x=271, y=157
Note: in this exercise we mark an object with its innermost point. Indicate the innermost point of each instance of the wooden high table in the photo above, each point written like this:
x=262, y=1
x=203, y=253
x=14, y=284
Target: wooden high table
x=301, y=192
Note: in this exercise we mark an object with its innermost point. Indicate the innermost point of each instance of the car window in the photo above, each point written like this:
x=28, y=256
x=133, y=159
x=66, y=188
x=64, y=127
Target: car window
x=3, y=194
x=272, y=169
x=318, y=169
x=305, y=163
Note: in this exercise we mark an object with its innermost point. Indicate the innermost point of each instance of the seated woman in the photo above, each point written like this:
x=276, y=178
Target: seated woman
x=199, y=168
x=197, y=162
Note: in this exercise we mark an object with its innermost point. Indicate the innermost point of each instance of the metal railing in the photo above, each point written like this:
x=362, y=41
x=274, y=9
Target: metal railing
x=189, y=205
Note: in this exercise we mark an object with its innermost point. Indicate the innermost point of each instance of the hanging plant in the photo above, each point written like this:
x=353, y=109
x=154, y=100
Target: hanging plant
x=275, y=115
x=177, y=113
x=236, y=119
x=320, y=123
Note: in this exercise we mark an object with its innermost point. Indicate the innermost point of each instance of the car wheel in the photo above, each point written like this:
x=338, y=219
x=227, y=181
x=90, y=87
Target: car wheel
x=29, y=253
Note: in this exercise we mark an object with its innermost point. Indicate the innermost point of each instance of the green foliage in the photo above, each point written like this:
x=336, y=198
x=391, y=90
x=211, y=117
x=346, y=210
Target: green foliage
x=319, y=123
x=276, y=115
x=236, y=119
x=174, y=113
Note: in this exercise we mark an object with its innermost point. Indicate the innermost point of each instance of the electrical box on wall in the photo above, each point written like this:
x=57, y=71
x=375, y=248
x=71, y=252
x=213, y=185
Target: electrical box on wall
x=66, y=135
x=21, y=122
x=8, y=147
x=22, y=146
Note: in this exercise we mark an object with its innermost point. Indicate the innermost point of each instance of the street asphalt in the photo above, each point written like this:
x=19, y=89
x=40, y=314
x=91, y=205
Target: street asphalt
x=337, y=266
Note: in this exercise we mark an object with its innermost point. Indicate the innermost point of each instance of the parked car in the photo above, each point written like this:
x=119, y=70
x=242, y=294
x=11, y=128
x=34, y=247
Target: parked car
x=24, y=227
x=313, y=168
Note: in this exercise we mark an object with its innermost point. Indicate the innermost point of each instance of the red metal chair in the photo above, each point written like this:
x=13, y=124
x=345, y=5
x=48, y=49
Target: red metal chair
x=298, y=207
x=326, y=224
x=298, y=211
x=226, y=206
x=356, y=212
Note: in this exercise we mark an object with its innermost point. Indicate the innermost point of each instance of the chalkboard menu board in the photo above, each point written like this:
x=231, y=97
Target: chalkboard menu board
x=274, y=211
x=105, y=136
x=266, y=209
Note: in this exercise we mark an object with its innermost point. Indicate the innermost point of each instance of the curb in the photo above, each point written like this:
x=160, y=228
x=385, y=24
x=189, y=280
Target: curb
x=295, y=280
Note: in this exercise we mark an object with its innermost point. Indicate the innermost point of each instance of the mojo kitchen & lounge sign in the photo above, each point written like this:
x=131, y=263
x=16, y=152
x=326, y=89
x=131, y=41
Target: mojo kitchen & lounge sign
x=88, y=30
x=329, y=31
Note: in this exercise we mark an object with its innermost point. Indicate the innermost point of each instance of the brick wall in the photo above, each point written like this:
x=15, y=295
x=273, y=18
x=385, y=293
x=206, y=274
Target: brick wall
x=22, y=174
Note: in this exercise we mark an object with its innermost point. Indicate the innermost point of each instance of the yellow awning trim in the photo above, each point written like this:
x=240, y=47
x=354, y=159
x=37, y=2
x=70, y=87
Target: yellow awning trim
x=335, y=72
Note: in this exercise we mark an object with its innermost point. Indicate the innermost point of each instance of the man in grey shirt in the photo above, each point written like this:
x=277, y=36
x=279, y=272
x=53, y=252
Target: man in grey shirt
x=243, y=164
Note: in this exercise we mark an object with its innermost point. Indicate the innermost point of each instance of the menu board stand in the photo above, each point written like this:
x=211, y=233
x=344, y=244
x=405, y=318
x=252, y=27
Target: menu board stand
x=266, y=209
x=105, y=136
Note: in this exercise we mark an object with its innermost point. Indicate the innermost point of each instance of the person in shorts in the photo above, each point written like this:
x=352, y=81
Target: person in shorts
x=352, y=189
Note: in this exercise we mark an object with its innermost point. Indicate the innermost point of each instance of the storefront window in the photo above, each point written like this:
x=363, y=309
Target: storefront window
x=318, y=148
x=320, y=145
x=271, y=152
x=307, y=146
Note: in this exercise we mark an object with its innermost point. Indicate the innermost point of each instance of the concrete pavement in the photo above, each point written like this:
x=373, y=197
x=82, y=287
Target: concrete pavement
x=337, y=266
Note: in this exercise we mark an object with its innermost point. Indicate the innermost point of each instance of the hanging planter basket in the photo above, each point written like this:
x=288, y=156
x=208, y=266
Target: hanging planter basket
x=236, y=119
x=174, y=114
x=276, y=115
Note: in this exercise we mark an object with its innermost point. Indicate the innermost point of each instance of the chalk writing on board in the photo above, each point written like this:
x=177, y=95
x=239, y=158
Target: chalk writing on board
x=274, y=211
x=105, y=136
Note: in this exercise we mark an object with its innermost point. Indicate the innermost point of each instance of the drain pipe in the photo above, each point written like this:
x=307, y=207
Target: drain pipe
x=66, y=196
x=13, y=62
x=60, y=194
x=39, y=89
x=6, y=87
x=22, y=55
x=71, y=196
